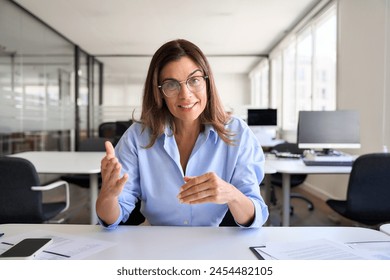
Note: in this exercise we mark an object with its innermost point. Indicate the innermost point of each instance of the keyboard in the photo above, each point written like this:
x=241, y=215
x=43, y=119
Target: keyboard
x=308, y=162
x=328, y=160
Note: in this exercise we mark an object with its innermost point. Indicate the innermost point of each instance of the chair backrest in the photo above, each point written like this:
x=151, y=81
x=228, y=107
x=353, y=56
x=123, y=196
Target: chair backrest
x=121, y=127
x=92, y=145
x=368, y=194
x=18, y=203
x=107, y=130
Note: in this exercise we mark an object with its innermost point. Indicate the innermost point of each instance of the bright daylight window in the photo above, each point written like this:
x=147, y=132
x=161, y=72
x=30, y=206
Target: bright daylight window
x=302, y=72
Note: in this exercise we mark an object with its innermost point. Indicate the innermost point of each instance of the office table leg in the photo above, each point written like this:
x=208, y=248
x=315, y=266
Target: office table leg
x=286, y=179
x=267, y=193
x=93, y=193
x=267, y=189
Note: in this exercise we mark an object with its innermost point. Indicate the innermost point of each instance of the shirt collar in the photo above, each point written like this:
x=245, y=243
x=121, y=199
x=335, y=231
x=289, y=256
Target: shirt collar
x=209, y=132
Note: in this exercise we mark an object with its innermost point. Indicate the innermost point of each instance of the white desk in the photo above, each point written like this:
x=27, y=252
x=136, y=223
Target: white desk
x=76, y=163
x=69, y=162
x=289, y=167
x=193, y=243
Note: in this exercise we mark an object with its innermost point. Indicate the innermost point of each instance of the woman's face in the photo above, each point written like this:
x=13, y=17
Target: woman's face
x=185, y=106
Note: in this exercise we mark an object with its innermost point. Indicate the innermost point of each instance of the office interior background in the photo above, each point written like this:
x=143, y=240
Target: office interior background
x=62, y=73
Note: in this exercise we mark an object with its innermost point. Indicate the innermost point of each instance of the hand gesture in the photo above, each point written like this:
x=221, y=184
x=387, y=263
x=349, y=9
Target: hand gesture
x=206, y=188
x=112, y=183
x=210, y=188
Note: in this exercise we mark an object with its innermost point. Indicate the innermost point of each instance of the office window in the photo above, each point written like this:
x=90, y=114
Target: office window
x=276, y=77
x=260, y=85
x=289, y=82
x=324, y=91
x=303, y=69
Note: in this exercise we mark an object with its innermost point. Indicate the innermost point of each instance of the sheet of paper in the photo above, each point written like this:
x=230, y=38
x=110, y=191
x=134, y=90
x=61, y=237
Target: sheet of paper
x=64, y=246
x=320, y=249
x=377, y=250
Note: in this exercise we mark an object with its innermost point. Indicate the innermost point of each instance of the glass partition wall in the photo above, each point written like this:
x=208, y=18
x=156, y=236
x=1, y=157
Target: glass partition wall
x=48, y=86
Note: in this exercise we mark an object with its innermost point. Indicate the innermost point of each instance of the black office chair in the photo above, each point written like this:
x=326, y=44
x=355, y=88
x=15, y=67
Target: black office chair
x=107, y=130
x=228, y=220
x=368, y=193
x=121, y=127
x=113, y=131
x=21, y=198
x=296, y=179
x=136, y=218
x=93, y=144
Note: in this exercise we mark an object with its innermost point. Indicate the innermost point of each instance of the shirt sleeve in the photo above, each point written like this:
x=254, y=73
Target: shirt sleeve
x=126, y=152
x=249, y=173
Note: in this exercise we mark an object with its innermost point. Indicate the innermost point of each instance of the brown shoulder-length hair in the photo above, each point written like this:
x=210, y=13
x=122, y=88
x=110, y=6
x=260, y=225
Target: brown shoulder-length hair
x=155, y=113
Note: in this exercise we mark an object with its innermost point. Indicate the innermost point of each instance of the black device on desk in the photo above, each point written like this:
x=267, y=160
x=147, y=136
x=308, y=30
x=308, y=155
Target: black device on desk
x=287, y=150
x=287, y=155
x=27, y=248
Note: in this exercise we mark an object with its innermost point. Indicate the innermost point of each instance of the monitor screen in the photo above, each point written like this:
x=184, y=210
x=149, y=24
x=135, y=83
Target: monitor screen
x=328, y=130
x=263, y=117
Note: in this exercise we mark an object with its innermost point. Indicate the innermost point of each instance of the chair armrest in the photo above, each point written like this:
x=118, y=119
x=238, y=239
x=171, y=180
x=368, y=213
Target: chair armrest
x=53, y=186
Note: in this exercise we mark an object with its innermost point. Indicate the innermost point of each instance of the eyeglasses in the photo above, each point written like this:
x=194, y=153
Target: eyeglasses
x=171, y=87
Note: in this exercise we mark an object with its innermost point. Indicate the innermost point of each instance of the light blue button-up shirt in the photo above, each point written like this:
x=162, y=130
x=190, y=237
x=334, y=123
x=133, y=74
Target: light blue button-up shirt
x=156, y=175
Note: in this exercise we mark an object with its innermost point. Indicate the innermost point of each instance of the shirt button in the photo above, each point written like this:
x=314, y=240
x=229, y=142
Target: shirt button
x=185, y=222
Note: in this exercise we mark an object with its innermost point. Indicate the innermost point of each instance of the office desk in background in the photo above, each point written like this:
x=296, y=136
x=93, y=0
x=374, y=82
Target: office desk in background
x=289, y=167
x=76, y=163
x=69, y=163
x=192, y=243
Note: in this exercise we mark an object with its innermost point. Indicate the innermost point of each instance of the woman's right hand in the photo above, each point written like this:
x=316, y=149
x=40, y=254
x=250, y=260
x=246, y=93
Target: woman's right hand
x=107, y=207
x=112, y=183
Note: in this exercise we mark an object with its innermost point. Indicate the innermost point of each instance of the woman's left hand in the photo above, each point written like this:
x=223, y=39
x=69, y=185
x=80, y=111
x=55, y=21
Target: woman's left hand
x=206, y=188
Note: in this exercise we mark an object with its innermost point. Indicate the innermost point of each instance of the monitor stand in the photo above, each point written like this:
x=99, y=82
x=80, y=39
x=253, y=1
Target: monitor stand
x=328, y=155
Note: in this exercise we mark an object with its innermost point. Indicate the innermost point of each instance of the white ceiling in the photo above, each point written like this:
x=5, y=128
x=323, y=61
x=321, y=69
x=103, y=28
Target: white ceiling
x=124, y=34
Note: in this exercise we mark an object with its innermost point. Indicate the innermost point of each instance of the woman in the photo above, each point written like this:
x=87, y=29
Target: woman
x=186, y=159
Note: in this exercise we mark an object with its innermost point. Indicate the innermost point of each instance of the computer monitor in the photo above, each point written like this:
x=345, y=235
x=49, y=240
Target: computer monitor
x=262, y=117
x=328, y=130
x=263, y=123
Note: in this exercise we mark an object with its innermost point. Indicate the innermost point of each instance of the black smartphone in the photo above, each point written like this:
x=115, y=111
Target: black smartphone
x=27, y=248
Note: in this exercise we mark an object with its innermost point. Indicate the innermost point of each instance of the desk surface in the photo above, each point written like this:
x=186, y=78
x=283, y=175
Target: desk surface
x=56, y=162
x=202, y=243
x=296, y=166
x=64, y=162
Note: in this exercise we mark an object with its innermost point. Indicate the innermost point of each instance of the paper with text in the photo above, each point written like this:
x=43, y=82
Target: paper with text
x=320, y=249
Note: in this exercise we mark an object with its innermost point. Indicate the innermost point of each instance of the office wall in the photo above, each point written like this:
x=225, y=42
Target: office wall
x=386, y=95
x=123, y=94
x=363, y=81
x=234, y=90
